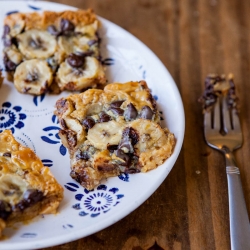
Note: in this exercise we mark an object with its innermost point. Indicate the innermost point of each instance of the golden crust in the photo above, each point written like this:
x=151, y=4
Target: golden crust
x=132, y=92
x=67, y=42
x=112, y=131
x=37, y=20
x=152, y=151
x=21, y=173
x=14, y=19
x=76, y=107
x=26, y=164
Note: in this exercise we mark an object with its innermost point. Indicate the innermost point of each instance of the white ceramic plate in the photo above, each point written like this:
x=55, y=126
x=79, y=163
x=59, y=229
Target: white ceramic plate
x=31, y=119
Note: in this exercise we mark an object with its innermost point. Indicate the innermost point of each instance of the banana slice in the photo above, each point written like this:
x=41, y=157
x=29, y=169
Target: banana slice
x=149, y=133
x=105, y=133
x=74, y=44
x=155, y=144
x=33, y=77
x=82, y=77
x=37, y=44
x=12, y=188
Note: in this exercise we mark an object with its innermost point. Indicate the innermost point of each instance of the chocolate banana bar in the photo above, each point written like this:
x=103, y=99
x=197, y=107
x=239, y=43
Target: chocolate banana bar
x=27, y=188
x=112, y=131
x=215, y=86
x=52, y=49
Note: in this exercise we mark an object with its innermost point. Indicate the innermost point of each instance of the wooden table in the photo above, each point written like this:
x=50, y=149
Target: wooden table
x=192, y=38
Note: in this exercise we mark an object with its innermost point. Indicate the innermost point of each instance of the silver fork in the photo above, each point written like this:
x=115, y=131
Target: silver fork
x=223, y=132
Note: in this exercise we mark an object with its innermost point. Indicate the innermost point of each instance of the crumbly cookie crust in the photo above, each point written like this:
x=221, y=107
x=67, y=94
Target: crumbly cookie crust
x=37, y=20
x=65, y=42
x=27, y=188
x=112, y=131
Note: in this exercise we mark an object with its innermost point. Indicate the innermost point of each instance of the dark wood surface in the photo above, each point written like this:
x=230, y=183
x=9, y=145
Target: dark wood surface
x=192, y=38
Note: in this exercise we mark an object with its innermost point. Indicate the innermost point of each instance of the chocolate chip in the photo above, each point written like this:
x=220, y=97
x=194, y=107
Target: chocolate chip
x=86, y=53
x=31, y=77
x=9, y=65
x=146, y=113
x=53, y=30
x=88, y=122
x=116, y=104
x=30, y=197
x=75, y=61
x=63, y=124
x=115, y=107
x=117, y=111
x=36, y=43
x=70, y=136
x=133, y=134
x=14, y=41
x=82, y=155
x=132, y=170
x=98, y=37
x=7, y=41
x=104, y=117
x=92, y=42
x=33, y=195
x=5, y=210
x=107, y=167
x=135, y=159
x=66, y=26
x=6, y=30
x=7, y=154
x=129, y=139
x=61, y=106
x=26, y=89
x=82, y=176
x=125, y=132
x=130, y=112
x=112, y=147
x=126, y=145
x=119, y=153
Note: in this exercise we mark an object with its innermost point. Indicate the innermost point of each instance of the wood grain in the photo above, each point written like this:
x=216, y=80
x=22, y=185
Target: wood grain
x=192, y=38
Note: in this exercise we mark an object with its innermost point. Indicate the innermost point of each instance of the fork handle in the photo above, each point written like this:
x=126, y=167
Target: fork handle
x=239, y=221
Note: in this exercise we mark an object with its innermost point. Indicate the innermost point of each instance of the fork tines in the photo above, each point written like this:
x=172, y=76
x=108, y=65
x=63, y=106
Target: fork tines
x=221, y=117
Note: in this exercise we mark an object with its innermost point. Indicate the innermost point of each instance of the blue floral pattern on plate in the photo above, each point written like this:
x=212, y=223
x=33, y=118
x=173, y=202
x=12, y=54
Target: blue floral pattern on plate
x=33, y=7
x=28, y=235
x=68, y=226
x=11, y=117
x=38, y=99
x=108, y=61
x=124, y=177
x=95, y=202
x=47, y=162
x=11, y=12
x=52, y=136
